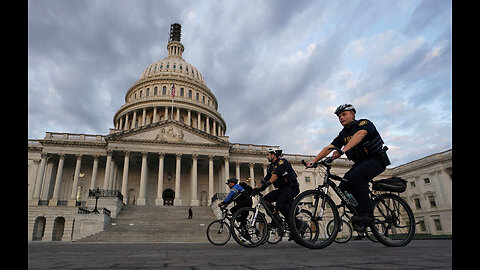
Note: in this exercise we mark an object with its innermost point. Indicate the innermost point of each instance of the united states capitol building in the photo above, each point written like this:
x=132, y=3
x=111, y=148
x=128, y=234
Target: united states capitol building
x=161, y=155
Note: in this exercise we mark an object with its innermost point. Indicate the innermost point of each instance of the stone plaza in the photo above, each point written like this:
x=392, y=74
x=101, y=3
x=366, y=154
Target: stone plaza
x=419, y=254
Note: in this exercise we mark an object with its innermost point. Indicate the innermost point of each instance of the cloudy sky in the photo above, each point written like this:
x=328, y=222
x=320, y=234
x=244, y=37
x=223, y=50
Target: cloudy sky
x=278, y=68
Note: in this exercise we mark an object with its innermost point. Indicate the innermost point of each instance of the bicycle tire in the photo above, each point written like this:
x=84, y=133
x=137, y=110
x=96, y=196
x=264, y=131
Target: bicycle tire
x=251, y=236
x=394, y=221
x=344, y=233
x=303, y=204
x=218, y=232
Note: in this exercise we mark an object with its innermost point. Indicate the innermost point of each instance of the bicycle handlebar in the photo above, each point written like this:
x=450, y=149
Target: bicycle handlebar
x=324, y=162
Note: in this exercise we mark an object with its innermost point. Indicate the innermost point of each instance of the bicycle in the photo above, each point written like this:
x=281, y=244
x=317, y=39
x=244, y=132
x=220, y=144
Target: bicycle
x=393, y=226
x=252, y=228
x=218, y=231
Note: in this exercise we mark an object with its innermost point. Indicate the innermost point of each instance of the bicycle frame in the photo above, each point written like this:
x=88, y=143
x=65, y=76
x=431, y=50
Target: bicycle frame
x=262, y=202
x=323, y=188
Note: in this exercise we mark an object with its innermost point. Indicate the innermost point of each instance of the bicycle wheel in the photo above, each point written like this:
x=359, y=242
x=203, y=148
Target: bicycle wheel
x=246, y=231
x=394, y=221
x=306, y=209
x=218, y=232
x=344, y=233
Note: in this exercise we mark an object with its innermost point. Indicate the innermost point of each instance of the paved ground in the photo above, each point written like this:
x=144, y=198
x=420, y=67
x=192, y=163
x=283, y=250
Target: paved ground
x=419, y=254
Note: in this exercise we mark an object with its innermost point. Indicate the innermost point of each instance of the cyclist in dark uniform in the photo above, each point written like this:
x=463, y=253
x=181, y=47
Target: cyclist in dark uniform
x=281, y=174
x=364, y=146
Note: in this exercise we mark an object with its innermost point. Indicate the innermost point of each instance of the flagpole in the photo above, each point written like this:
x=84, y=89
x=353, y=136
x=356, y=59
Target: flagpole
x=173, y=96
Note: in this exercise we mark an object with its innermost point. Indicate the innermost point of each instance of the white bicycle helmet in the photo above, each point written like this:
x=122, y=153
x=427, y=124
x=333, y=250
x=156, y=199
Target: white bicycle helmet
x=276, y=151
x=345, y=107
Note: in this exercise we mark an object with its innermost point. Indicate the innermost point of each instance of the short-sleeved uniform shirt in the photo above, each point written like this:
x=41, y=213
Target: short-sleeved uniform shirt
x=283, y=169
x=369, y=145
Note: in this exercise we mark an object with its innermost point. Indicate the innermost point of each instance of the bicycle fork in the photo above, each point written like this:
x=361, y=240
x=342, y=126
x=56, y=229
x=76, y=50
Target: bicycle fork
x=322, y=207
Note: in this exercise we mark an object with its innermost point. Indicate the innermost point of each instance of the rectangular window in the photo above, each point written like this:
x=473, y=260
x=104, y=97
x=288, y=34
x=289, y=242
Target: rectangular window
x=438, y=224
x=417, y=203
x=431, y=199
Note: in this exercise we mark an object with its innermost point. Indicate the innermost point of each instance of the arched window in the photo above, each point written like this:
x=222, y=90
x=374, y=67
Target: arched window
x=182, y=92
x=58, y=227
x=164, y=90
x=38, y=229
x=155, y=91
x=190, y=93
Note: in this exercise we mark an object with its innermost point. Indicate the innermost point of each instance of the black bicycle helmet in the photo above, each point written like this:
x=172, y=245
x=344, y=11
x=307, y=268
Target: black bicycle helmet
x=233, y=180
x=345, y=107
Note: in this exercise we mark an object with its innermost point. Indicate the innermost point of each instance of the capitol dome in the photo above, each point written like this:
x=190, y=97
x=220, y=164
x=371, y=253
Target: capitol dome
x=149, y=100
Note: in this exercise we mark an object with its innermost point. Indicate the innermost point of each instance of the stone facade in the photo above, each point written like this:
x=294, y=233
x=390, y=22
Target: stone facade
x=174, y=154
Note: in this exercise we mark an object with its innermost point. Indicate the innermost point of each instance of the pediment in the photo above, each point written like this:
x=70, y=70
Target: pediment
x=167, y=132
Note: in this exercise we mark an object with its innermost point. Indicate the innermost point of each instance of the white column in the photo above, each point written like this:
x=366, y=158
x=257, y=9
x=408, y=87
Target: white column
x=214, y=128
x=199, y=119
x=178, y=201
x=237, y=170
x=210, y=179
x=73, y=196
x=189, y=118
x=194, y=182
x=125, y=127
x=143, y=181
x=161, y=159
x=126, y=163
x=208, y=125
x=227, y=172
x=58, y=181
x=252, y=174
x=155, y=115
x=93, y=182
x=143, y=116
x=111, y=178
x=39, y=180
x=107, y=169
x=134, y=119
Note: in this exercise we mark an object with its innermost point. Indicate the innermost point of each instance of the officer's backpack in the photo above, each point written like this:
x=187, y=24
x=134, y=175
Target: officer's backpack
x=392, y=184
x=248, y=189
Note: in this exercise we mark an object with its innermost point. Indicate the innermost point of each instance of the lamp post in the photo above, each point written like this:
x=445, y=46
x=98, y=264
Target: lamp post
x=97, y=194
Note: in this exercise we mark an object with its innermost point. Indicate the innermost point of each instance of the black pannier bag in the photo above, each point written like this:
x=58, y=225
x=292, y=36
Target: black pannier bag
x=393, y=184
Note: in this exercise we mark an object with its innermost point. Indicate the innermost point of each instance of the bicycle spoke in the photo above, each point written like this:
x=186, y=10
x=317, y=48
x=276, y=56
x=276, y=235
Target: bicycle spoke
x=394, y=221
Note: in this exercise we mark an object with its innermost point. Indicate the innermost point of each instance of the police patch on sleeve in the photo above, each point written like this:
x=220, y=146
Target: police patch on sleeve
x=280, y=162
x=362, y=123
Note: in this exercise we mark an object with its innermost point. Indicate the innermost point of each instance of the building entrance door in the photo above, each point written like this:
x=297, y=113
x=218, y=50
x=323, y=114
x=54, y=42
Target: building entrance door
x=168, y=197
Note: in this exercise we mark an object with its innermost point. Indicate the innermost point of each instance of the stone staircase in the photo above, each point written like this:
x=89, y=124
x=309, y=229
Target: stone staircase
x=156, y=224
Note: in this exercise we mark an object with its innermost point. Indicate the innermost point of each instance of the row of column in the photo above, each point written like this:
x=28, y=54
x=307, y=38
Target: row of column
x=124, y=123
x=110, y=177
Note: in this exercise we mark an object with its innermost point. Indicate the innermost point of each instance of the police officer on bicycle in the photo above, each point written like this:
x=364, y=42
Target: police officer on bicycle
x=281, y=174
x=238, y=194
x=364, y=146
